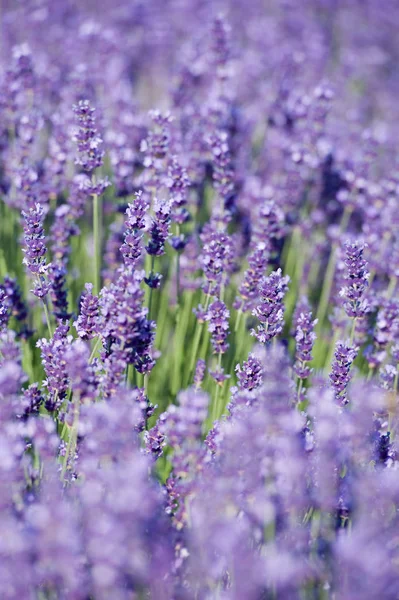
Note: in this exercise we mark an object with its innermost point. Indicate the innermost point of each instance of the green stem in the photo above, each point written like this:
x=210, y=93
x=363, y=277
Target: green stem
x=46, y=312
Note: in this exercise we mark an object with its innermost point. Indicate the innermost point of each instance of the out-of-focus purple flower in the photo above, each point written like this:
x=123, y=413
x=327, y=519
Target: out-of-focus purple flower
x=88, y=141
x=357, y=280
x=5, y=309
x=216, y=258
x=58, y=292
x=223, y=174
x=344, y=356
x=87, y=323
x=199, y=374
x=270, y=310
x=305, y=338
x=177, y=182
x=31, y=401
x=154, y=441
x=250, y=375
x=80, y=372
x=159, y=228
x=218, y=326
x=385, y=332
x=248, y=290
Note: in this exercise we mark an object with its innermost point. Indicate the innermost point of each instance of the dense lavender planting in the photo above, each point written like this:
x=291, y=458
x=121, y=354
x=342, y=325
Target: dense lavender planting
x=199, y=313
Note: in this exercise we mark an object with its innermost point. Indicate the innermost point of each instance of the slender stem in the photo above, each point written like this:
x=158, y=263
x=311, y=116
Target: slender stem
x=95, y=348
x=46, y=312
x=97, y=241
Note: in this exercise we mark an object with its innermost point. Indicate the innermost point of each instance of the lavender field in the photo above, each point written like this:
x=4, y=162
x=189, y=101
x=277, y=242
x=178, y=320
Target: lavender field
x=199, y=308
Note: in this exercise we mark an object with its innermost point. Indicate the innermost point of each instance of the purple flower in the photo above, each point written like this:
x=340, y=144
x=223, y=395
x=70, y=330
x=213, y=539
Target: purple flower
x=177, y=182
x=218, y=326
x=199, y=373
x=250, y=375
x=216, y=258
x=58, y=292
x=344, y=356
x=35, y=247
x=248, y=290
x=53, y=359
x=159, y=228
x=270, y=310
x=5, y=309
x=80, y=372
x=357, y=277
x=88, y=141
x=305, y=338
x=87, y=323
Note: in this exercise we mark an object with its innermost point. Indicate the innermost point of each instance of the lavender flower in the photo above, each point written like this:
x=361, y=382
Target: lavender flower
x=35, y=247
x=218, y=319
x=58, y=292
x=199, y=373
x=357, y=276
x=305, y=338
x=88, y=141
x=87, y=323
x=270, y=311
x=159, y=228
x=344, y=356
x=177, y=183
x=135, y=222
x=248, y=289
x=250, y=375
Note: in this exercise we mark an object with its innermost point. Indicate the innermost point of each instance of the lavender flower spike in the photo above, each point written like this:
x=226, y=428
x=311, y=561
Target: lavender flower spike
x=87, y=323
x=218, y=318
x=357, y=277
x=270, y=311
x=344, y=356
x=305, y=338
x=88, y=141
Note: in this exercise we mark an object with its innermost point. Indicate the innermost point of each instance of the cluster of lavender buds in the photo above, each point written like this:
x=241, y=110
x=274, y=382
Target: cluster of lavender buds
x=270, y=310
x=357, y=280
x=304, y=338
x=199, y=300
x=88, y=141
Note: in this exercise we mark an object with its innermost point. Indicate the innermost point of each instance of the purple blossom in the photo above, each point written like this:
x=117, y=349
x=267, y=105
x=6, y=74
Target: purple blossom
x=270, y=310
x=87, y=324
x=305, y=338
x=250, y=375
x=159, y=228
x=218, y=326
x=35, y=247
x=257, y=262
x=88, y=141
x=199, y=374
x=357, y=277
x=344, y=356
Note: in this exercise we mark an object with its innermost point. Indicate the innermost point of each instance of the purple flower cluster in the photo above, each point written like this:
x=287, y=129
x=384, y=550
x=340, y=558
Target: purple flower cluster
x=270, y=310
x=218, y=326
x=344, y=356
x=357, y=280
x=88, y=141
x=243, y=452
x=305, y=338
